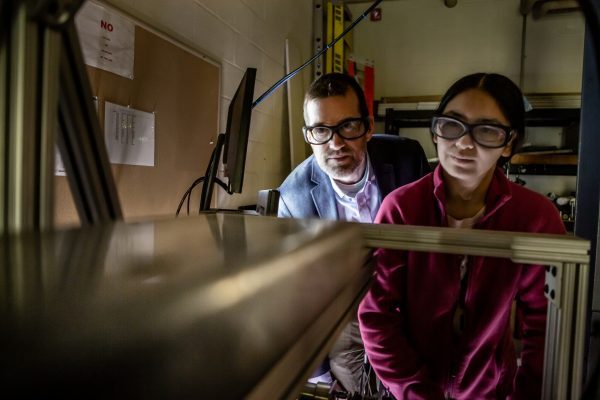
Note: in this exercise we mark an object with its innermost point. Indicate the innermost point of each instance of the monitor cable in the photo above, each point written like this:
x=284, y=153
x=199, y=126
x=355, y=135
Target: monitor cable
x=188, y=192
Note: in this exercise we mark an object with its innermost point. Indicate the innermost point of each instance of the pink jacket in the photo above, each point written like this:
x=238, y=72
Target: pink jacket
x=406, y=317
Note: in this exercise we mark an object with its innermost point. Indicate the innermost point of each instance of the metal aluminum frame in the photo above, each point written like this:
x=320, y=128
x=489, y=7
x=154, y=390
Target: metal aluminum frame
x=81, y=140
x=318, y=42
x=28, y=95
x=45, y=94
x=567, y=261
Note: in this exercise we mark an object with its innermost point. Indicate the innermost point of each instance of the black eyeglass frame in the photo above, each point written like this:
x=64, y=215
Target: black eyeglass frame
x=336, y=128
x=508, y=131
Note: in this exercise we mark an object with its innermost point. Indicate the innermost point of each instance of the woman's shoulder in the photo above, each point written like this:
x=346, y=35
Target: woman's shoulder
x=529, y=198
x=535, y=209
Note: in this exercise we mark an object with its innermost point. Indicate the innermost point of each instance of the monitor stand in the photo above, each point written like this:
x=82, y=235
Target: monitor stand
x=211, y=174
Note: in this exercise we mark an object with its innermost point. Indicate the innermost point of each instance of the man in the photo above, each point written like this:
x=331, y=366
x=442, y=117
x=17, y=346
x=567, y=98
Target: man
x=350, y=172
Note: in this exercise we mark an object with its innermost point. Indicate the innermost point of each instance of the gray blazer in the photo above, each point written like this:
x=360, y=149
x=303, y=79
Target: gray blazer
x=307, y=191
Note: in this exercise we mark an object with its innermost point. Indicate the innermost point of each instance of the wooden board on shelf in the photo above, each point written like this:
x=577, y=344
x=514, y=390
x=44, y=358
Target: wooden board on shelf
x=543, y=158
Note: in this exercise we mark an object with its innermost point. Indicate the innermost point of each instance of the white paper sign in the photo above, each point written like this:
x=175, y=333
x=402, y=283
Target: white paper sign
x=107, y=39
x=129, y=135
x=59, y=167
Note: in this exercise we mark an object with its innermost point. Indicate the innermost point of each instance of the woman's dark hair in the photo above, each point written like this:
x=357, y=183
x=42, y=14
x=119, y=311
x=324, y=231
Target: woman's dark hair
x=503, y=90
x=336, y=84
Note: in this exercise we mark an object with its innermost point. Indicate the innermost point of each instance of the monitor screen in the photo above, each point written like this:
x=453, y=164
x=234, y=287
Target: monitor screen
x=238, y=128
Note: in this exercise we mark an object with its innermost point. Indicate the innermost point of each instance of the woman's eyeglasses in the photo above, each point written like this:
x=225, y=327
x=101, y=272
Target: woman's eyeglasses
x=349, y=129
x=492, y=136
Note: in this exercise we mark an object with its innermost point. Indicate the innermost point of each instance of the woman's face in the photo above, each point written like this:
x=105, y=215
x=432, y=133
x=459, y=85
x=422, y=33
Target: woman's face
x=462, y=158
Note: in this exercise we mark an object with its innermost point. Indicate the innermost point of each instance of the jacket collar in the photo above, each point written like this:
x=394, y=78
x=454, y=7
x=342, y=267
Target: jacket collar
x=498, y=194
x=322, y=193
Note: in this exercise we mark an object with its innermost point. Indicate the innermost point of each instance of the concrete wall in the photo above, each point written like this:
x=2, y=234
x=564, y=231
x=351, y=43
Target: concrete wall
x=240, y=34
x=420, y=47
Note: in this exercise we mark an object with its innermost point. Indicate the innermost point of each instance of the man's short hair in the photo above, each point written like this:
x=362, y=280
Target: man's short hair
x=336, y=84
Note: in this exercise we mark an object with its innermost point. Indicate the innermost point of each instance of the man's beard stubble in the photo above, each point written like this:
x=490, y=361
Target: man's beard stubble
x=344, y=171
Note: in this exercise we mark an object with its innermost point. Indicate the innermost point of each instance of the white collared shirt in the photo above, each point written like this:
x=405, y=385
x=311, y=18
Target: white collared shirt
x=358, y=202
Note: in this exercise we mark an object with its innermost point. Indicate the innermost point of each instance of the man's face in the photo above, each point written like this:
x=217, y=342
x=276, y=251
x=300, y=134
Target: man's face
x=343, y=160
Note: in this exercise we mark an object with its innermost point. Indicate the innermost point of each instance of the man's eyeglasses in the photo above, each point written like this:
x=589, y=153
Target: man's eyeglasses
x=349, y=129
x=492, y=136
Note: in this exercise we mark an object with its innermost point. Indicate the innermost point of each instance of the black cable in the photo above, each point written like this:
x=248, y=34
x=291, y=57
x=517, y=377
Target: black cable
x=188, y=194
x=191, y=189
x=217, y=180
x=223, y=185
x=294, y=72
x=188, y=200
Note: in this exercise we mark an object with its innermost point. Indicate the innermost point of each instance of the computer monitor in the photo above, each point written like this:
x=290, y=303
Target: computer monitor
x=237, y=132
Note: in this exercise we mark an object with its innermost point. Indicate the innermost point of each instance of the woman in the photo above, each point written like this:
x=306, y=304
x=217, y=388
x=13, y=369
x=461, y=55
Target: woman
x=437, y=326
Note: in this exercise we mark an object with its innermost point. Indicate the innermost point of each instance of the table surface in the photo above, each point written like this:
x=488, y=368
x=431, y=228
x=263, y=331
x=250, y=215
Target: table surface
x=219, y=306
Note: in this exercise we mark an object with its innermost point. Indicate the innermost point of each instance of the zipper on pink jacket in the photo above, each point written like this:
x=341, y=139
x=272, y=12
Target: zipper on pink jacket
x=463, y=292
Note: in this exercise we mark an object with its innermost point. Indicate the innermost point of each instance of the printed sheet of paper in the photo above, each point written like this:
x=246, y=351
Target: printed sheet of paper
x=129, y=135
x=59, y=167
x=107, y=39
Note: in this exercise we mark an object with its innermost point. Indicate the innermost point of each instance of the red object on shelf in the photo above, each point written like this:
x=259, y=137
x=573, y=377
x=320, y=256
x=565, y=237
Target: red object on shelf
x=351, y=68
x=369, y=87
x=367, y=82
